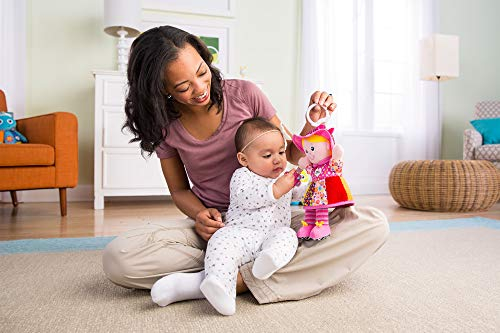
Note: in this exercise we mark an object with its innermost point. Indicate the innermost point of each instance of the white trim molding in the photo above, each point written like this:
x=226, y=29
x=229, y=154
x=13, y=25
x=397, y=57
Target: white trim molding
x=224, y=8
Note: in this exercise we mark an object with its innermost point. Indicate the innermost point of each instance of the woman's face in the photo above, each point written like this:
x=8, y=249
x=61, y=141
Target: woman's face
x=188, y=78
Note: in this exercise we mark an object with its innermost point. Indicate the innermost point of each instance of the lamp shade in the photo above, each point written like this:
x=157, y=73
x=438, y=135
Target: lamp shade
x=439, y=57
x=124, y=15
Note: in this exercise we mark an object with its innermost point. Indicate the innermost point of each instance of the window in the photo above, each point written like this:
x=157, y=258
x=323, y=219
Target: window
x=372, y=63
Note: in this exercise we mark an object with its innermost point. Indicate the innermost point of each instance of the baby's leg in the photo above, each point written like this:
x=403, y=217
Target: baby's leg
x=277, y=250
x=226, y=251
x=177, y=287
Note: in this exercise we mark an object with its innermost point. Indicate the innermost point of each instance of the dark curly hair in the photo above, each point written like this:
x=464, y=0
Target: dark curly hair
x=148, y=109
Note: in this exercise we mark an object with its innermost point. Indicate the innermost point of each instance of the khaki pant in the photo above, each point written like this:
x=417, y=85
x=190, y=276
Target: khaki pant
x=137, y=258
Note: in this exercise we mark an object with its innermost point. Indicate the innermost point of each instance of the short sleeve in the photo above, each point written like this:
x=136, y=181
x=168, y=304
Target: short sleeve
x=257, y=100
x=164, y=150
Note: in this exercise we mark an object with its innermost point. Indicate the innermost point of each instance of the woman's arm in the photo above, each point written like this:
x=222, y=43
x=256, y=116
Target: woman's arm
x=207, y=220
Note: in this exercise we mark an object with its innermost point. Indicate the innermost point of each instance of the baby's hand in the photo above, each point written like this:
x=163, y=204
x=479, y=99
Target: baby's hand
x=284, y=184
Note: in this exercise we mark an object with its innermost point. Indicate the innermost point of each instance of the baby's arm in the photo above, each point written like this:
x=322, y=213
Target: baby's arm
x=249, y=191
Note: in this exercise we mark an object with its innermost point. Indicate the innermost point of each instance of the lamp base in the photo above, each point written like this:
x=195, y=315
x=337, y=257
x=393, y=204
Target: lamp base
x=122, y=50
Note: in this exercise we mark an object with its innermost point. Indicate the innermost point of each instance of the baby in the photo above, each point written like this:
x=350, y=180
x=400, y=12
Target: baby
x=257, y=225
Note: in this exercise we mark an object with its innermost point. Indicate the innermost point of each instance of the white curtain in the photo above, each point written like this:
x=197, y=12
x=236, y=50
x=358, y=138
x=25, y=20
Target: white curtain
x=13, y=54
x=366, y=53
x=13, y=60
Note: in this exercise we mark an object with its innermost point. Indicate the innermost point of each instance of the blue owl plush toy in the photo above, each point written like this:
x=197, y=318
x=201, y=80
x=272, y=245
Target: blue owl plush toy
x=8, y=132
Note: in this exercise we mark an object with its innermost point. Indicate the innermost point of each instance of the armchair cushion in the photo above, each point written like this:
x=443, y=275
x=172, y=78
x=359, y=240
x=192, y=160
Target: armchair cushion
x=488, y=152
x=489, y=129
x=26, y=155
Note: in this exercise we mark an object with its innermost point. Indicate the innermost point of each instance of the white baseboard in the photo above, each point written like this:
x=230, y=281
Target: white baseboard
x=86, y=193
x=368, y=186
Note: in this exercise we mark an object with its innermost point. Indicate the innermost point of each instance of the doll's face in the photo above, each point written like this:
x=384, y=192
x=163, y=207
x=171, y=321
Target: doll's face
x=316, y=151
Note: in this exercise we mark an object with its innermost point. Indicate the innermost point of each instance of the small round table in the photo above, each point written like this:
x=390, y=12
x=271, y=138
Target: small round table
x=445, y=185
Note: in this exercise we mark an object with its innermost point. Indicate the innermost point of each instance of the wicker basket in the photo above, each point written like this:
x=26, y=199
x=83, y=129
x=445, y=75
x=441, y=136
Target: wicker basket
x=445, y=185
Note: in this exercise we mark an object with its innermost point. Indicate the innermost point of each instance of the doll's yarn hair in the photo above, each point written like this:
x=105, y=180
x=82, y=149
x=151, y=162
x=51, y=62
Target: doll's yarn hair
x=315, y=138
x=250, y=129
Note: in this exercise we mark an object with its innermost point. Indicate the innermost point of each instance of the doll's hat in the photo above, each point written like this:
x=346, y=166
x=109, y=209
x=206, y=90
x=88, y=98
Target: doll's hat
x=321, y=131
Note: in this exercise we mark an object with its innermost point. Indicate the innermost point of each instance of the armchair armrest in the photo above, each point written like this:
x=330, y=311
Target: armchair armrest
x=472, y=140
x=59, y=130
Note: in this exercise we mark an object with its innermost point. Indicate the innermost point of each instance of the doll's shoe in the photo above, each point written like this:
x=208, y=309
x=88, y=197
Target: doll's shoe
x=320, y=231
x=305, y=230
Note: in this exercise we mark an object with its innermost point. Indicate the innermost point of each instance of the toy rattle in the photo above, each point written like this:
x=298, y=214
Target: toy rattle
x=328, y=189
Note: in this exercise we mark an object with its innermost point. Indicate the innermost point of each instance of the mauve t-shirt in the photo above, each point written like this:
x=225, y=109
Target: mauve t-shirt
x=210, y=163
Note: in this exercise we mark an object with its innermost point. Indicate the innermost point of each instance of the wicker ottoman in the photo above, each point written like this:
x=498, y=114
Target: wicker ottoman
x=445, y=185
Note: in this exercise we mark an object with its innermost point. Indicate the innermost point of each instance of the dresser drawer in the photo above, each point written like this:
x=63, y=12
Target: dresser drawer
x=113, y=136
x=130, y=170
x=114, y=92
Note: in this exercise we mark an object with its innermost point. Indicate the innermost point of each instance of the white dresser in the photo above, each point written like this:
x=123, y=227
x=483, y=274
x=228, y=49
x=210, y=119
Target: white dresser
x=119, y=168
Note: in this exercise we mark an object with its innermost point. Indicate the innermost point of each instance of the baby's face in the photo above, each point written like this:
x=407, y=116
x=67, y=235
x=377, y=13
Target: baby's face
x=266, y=155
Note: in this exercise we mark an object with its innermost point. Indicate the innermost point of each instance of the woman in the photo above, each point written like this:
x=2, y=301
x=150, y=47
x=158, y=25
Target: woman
x=179, y=106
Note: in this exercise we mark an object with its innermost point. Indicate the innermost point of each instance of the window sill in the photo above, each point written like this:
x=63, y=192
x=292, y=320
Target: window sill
x=369, y=133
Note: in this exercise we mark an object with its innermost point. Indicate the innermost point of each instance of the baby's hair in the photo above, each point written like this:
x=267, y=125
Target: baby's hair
x=249, y=128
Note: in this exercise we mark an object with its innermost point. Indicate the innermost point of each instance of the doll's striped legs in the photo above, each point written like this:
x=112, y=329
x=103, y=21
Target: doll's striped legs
x=315, y=224
x=307, y=224
x=321, y=228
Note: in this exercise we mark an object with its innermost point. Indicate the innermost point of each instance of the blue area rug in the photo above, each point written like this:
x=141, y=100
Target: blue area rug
x=98, y=243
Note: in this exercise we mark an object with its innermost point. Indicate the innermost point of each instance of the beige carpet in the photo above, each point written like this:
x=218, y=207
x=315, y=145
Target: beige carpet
x=425, y=281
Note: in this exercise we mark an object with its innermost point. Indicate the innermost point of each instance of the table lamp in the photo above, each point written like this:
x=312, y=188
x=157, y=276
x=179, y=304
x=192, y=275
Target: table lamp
x=122, y=19
x=439, y=62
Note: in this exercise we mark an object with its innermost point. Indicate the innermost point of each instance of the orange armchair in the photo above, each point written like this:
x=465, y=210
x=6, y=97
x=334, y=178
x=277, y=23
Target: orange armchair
x=48, y=160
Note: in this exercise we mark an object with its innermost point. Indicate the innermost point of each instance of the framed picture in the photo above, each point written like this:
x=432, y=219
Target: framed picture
x=224, y=8
x=216, y=34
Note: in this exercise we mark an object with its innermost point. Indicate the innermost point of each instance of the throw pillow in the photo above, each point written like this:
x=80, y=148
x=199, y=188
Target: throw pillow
x=489, y=129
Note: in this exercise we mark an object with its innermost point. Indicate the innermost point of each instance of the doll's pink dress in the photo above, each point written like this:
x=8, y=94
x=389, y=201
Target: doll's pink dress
x=327, y=188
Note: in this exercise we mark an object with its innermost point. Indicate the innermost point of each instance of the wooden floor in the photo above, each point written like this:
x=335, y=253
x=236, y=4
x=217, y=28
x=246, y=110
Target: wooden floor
x=42, y=220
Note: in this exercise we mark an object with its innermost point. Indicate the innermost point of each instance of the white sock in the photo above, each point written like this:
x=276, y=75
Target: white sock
x=217, y=295
x=264, y=266
x=177, y=287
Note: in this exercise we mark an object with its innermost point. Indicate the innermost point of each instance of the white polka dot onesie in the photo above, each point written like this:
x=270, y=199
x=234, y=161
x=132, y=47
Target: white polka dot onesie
x=255, y=222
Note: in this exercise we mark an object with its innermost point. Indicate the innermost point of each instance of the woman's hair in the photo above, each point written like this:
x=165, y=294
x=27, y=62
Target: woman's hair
x=148, y=107
x=249, y=128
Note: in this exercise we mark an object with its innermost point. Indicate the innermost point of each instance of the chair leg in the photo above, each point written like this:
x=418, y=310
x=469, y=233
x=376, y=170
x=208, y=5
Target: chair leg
x=62, y=201
x=13, y=196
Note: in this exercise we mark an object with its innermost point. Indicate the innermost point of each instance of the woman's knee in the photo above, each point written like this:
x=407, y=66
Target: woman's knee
x=114, y=264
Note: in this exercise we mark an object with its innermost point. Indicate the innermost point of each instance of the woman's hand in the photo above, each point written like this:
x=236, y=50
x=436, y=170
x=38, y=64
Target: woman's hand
x=322, y=98
x=207, y=222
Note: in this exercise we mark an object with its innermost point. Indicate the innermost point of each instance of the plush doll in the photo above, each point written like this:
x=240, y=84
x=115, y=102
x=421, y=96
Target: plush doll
x=8, y=132
x=323, y=162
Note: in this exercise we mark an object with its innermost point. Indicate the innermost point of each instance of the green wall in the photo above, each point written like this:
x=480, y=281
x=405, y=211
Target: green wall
x=66, y=42
x=477, y=25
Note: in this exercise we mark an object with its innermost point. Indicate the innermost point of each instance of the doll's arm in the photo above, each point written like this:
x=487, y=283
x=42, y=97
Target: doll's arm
x=337, y=152
x=303, y=162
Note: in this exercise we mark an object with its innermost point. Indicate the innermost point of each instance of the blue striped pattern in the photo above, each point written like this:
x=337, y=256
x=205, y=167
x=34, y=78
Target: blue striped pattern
x=98, y=243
